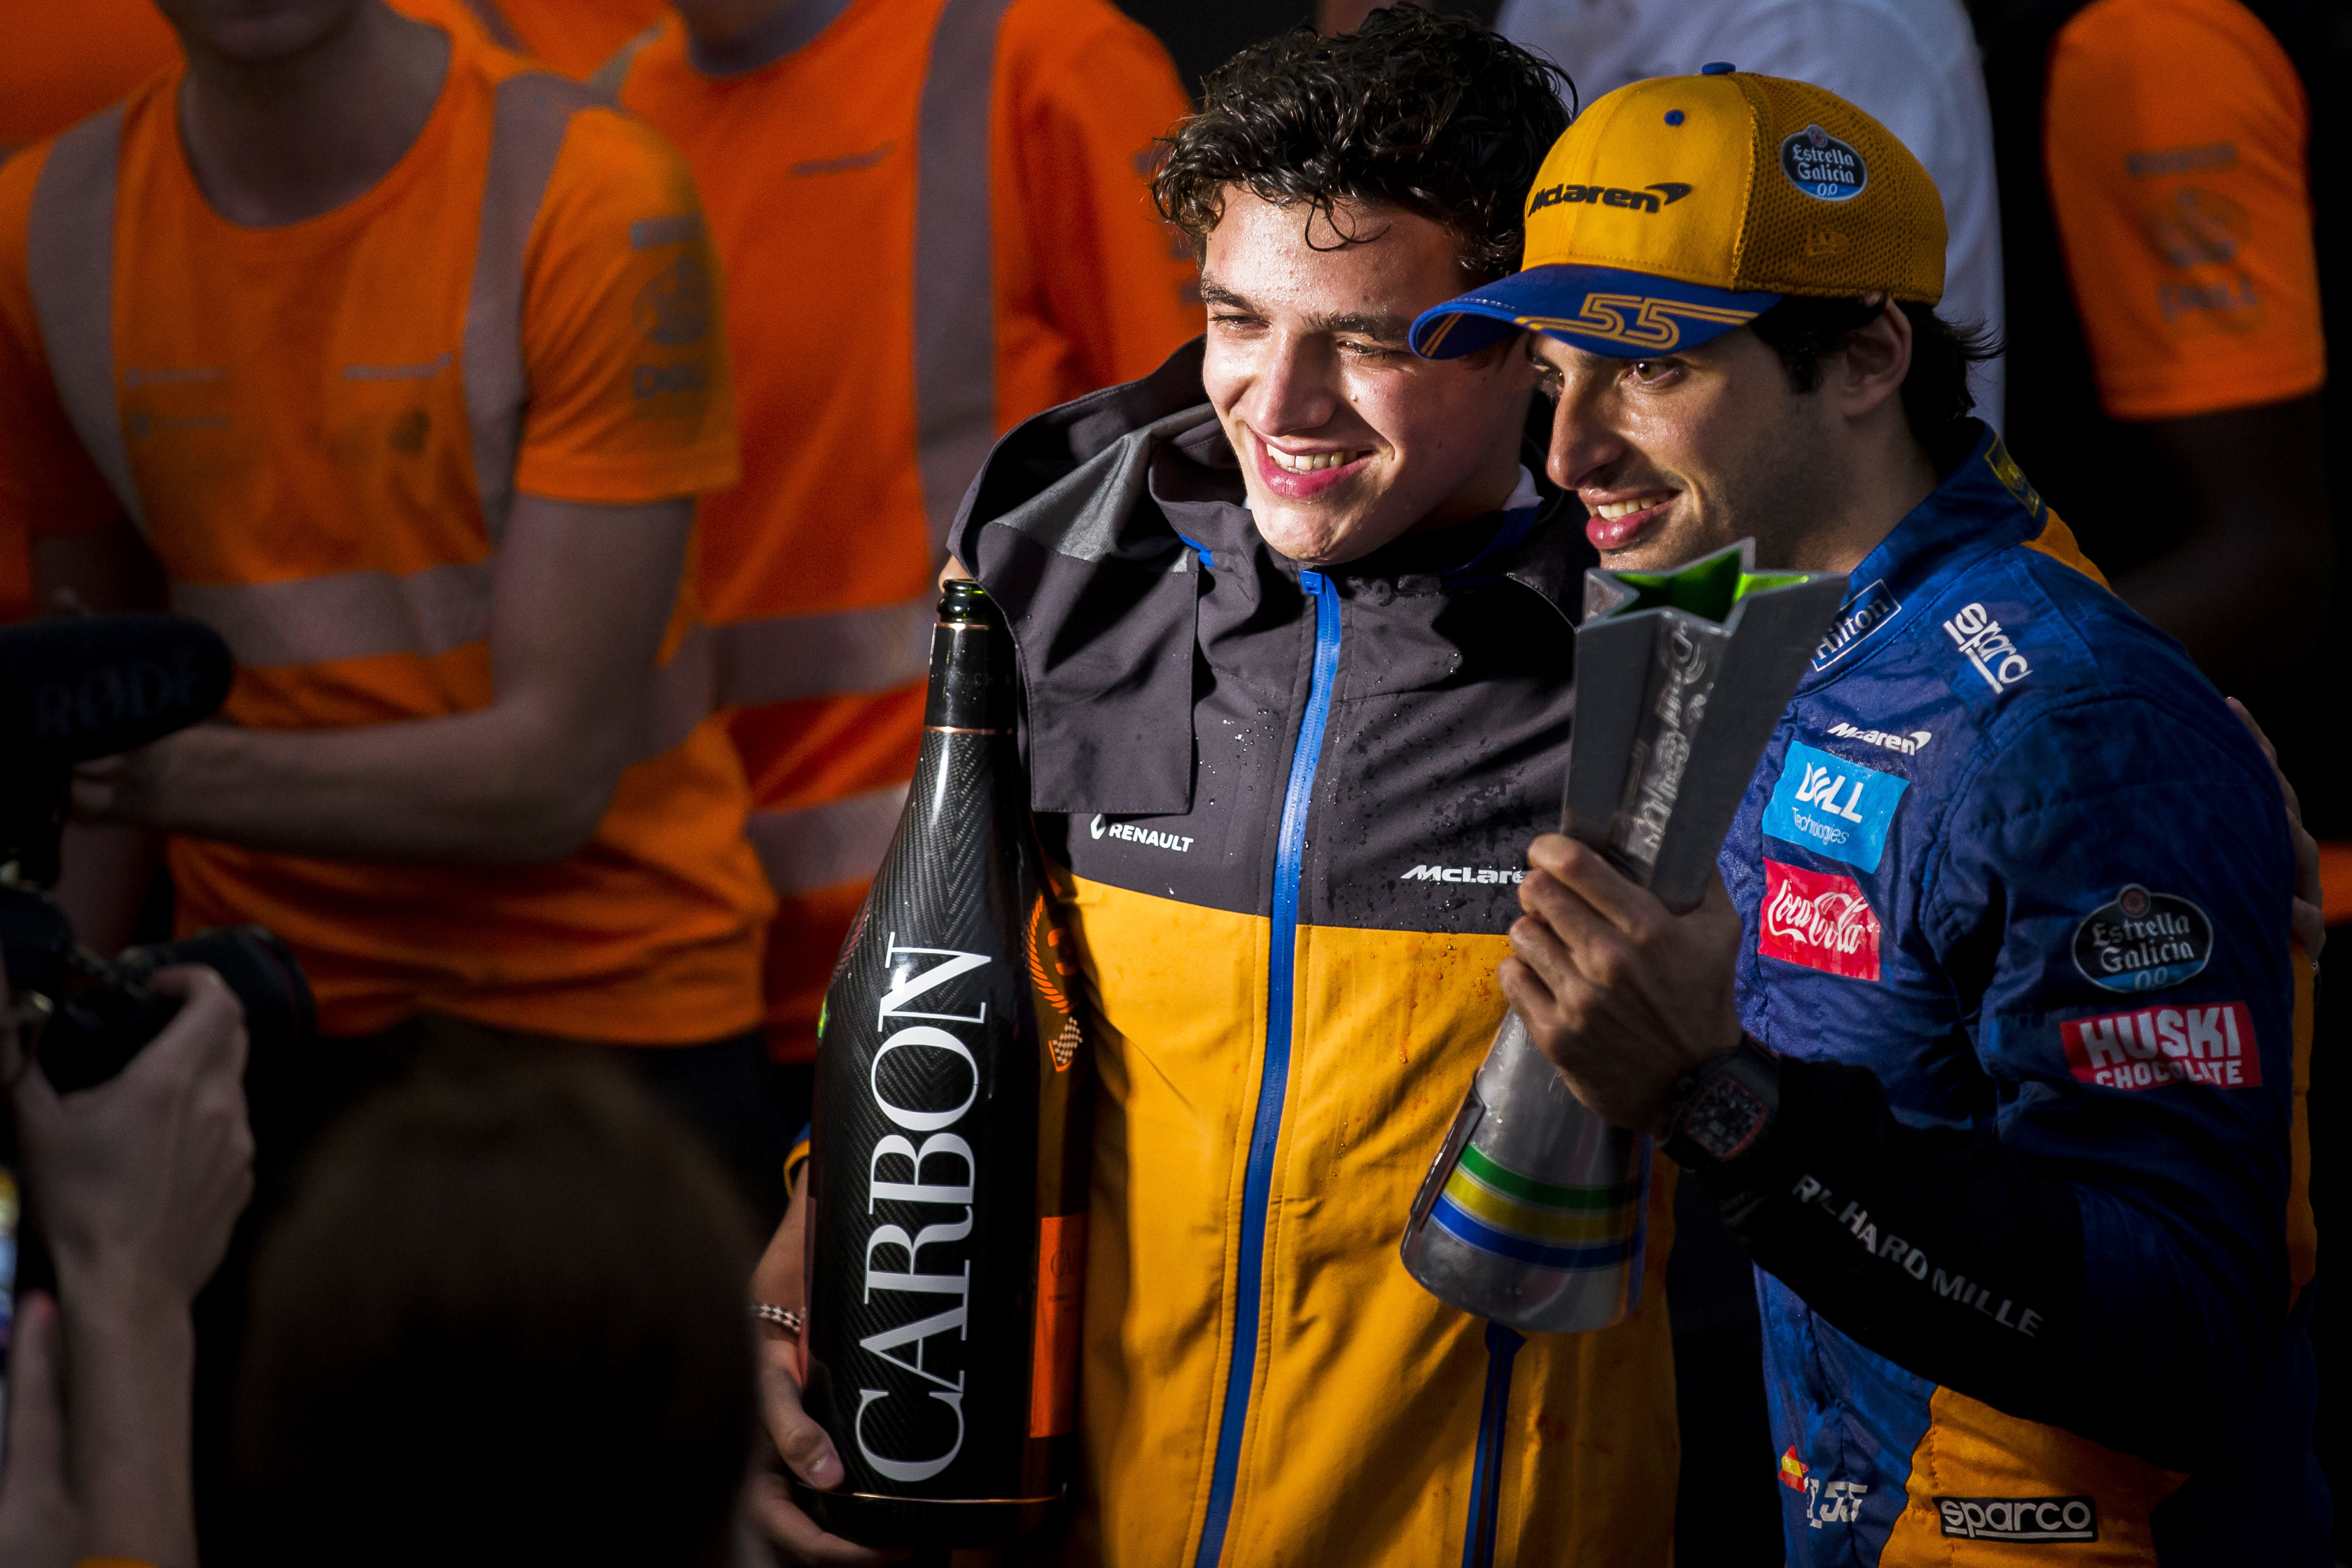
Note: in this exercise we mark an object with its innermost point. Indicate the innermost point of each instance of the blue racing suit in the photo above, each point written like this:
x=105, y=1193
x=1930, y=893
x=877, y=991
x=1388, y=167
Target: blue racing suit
x=2030, y=1223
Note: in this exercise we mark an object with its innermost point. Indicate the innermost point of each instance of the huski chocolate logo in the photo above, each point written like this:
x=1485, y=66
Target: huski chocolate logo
x=2156, y=1045
x=2143, y=942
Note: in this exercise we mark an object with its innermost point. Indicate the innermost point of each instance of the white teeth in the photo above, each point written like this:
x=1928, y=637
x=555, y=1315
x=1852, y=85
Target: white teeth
x=1611, y=511
x=1308, y=463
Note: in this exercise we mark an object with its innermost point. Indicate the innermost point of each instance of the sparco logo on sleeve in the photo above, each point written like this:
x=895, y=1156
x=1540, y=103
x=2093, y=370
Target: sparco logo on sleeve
x=2213, y=1045
x=2143, y=942
x=1821, y=922
x=1989, y=649
x=2019, y=1518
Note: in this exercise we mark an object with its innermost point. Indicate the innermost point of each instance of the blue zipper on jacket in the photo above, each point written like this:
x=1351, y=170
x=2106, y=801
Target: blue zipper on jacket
x=1273, y=1078
x=1486, y=1470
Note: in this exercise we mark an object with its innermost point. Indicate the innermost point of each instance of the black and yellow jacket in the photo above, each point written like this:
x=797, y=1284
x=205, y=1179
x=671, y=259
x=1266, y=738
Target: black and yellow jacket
x=1289, y=812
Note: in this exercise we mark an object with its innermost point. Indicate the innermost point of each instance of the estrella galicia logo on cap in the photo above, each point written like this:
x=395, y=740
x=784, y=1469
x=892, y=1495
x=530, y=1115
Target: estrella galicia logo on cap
x=2143, y=942
x=1821, y=166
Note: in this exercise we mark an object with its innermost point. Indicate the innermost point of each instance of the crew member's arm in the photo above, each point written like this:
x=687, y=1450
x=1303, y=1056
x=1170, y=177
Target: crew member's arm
x=2159, y=1150
x=1091, y=106
x=583, y=593
x=2175, y=139
x=631, y=413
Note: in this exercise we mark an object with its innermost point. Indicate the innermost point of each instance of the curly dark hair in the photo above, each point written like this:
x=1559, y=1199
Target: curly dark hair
x=1432, y=114
x=1935, y=397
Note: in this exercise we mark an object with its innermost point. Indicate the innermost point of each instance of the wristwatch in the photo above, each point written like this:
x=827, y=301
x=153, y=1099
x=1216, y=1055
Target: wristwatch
x=1724, y=1110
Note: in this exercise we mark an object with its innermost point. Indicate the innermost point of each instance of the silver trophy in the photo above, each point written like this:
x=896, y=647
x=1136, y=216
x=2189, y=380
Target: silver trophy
x=1532, y=1214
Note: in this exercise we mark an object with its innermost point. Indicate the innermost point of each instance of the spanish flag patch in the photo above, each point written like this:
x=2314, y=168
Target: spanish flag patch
x=1792, y=1470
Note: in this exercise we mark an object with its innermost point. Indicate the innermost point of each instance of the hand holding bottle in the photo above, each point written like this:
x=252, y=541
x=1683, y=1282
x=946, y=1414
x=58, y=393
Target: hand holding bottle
x=800, y=1442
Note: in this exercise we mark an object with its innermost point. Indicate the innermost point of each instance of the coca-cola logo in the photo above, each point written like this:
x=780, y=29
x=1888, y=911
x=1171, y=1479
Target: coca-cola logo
x=1820, y=920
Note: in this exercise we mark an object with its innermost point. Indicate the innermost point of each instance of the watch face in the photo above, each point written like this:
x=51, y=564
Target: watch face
x=1722, y=1118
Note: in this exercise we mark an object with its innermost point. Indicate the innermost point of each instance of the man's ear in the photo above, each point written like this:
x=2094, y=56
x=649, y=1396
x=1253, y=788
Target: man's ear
x=1869, y=369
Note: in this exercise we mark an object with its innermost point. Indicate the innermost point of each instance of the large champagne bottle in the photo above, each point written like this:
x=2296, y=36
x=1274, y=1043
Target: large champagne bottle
x=947, y=1178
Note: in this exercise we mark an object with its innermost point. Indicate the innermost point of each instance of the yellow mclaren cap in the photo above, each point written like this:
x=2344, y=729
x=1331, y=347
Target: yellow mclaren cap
x=1680, y=207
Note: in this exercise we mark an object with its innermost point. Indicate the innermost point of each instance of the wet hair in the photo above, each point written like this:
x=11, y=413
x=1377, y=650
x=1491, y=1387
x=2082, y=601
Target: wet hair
x=1803, y=331
x=503, y=1324
x=1428, y=114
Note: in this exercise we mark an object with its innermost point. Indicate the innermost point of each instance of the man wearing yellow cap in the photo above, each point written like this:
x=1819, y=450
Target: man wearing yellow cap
x=1990, y=1042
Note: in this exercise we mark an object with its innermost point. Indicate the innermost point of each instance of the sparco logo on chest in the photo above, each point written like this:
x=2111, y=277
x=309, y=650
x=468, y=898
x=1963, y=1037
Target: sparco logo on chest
x=1989, y=649
x=1821, y=922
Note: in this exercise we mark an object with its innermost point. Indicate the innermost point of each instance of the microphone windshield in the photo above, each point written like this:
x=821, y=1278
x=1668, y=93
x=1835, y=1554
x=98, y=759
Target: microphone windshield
x=91, y=686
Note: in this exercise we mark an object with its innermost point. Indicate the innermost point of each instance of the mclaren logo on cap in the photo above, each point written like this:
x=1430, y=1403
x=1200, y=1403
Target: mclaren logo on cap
x=1647, y=199
x=1638, y=321
x=1821, y=166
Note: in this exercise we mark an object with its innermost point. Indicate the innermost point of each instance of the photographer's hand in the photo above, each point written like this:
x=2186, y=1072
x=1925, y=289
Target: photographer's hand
x=136, y=1183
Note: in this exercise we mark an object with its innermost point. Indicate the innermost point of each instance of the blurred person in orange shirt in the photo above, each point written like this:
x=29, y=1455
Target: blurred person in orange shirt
x=67, y=62
x=64, y=62
x=400, y=362
x=2168, y=373
x=935, y=220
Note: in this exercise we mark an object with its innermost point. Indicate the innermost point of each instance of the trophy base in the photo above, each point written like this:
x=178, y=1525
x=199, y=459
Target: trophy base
x=871, y=1520
x=1520, y=1294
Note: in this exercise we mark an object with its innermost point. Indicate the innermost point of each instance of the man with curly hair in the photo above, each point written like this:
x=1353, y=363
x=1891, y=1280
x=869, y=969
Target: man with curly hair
x=1294, y=621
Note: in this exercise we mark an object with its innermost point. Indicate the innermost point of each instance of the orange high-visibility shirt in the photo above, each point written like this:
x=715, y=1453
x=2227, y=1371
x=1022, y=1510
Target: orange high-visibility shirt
x=305, y=420
x=2175, y=133
x=62, y=62
x=849, y=158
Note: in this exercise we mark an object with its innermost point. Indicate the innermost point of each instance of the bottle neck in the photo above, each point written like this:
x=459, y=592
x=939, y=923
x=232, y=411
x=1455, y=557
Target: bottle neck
x=971, y=690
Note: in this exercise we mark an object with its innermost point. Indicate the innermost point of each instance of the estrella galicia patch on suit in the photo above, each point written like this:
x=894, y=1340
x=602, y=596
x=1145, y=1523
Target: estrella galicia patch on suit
x=2140, y=941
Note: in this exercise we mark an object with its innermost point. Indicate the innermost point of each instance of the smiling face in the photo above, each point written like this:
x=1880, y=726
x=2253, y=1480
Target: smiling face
x=1678, y=456
x=1347, y=439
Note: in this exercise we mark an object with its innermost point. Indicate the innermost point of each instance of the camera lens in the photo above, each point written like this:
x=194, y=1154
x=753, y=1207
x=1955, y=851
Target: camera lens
x=258, y=966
